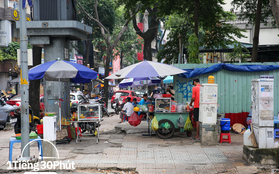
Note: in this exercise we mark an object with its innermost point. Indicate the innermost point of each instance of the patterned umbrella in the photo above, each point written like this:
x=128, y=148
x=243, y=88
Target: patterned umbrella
x=61, y=70
x=134, y=82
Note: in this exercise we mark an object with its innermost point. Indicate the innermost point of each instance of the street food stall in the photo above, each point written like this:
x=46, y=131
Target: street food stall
x=167, y=113
x=88, y=120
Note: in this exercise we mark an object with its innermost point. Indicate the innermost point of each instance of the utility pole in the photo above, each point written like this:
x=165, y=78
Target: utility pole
x=24, y=83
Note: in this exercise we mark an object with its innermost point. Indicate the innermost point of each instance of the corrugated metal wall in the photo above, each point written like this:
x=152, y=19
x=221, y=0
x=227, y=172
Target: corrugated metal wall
x=234, y=88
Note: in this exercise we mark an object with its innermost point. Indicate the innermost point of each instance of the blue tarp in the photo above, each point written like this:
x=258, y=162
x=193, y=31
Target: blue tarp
x=230, y=67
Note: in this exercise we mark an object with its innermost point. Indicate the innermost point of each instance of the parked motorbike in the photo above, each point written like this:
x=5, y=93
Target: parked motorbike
x=15, y=119
x=117, y=105
x=104, y=108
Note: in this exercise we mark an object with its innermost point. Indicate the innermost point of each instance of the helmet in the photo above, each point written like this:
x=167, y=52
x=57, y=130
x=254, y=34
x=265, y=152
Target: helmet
x=136, y=109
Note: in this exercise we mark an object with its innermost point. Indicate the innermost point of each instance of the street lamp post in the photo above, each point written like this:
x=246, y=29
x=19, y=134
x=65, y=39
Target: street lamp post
x=24, y=83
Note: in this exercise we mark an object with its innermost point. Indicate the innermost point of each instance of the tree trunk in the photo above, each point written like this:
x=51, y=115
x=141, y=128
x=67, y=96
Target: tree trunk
x=147, y=51
x=257, y=31
x=121, y=59
x=107, y=73
x=34, y=85
x=275, y=9
x=196, y=18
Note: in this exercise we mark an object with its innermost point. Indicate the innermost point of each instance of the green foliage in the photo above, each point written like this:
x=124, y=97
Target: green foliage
x=238, y=52
x=10, y=52
x=106, y=10
x=214, y=30
x=193, y=49
x=246, y=10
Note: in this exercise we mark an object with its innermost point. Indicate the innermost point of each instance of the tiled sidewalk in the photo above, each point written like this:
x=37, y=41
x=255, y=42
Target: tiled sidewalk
x=144, y=154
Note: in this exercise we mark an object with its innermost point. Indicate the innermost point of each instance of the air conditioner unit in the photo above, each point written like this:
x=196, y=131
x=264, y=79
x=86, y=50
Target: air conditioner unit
x=5, y=33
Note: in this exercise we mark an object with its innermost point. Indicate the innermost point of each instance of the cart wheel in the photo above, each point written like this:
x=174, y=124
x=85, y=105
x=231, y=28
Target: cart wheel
x=163, y=132
x=189, y=133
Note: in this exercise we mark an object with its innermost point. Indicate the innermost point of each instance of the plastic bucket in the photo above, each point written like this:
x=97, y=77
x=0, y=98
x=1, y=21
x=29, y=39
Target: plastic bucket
x=40, y=128
x=151, y=108
x=225, y=125
x=173, y=108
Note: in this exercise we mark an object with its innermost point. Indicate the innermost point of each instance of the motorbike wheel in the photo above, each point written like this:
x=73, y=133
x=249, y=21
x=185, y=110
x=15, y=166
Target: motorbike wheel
x=116, y=111
x=17, y=129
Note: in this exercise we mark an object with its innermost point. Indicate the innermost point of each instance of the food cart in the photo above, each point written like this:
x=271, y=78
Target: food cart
x=167, y=117
x=88, y=121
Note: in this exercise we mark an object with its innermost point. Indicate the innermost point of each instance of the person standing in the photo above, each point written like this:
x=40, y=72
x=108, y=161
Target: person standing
x=155, y=91
x=127, y=110
x=170, y=91
x=196, y=100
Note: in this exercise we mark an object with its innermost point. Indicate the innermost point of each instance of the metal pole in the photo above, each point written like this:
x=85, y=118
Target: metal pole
x=59, y=105
x=24, y=83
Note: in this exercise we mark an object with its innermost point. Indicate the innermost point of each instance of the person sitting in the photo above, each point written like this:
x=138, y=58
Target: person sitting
x=143, y=102
x=127, y=110
x=12, y=92
x=135, y=103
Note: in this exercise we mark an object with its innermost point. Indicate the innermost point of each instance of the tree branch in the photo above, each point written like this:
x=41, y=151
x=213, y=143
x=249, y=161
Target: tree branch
x=102, y=28
x=90, y=17
x=124, y=28
x=138, y=31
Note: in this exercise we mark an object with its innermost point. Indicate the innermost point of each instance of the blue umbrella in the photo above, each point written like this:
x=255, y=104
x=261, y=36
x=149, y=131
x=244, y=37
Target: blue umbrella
x=61, y=70
x=168, y=79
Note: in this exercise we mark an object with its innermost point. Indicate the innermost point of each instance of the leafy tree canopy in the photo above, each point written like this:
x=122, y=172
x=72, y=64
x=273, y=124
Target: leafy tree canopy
x=214, y=29
x=246, y=10
x=10, y=52
x=107, y=15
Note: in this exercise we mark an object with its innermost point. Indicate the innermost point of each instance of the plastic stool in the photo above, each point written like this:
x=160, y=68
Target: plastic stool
x=14, y=140
x=275, y=131
x=225, y=140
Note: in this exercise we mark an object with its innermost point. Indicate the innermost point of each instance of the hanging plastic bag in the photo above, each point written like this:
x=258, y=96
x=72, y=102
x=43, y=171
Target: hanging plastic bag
x=167, y=125
x=154, y=124
x=134, y=119
x=180, y=121
x=188, y=125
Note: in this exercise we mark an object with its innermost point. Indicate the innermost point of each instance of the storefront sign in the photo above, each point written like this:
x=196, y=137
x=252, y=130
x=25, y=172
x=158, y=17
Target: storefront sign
x=16, y=16
x=79, y=58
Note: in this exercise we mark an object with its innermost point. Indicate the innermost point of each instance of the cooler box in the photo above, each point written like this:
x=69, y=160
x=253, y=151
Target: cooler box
x=225, y=124
x=49, y=129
